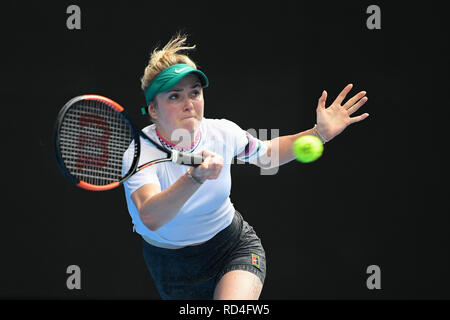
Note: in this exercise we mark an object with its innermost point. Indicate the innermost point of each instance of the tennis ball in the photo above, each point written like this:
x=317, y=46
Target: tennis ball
x=307, y=148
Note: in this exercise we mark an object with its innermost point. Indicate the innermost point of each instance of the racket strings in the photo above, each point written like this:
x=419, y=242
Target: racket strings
x=93, y=139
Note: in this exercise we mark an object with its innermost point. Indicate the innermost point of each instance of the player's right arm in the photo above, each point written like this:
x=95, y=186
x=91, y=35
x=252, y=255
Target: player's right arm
x=156, y=207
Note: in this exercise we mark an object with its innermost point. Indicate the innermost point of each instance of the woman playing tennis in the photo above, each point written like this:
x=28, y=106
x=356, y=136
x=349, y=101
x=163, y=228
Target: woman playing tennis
x=195, y=244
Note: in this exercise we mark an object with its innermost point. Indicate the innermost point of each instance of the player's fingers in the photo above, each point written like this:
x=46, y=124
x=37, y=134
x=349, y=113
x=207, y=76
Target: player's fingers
x=322, y=100
x=208, y=156
x=214, y=176
x=213, y=172
x=359, y=118
x=218, y=171
x=211, y=165
x=357, y=105
x=217, y=166
x=353, y=100
x=207, y=163
x=207, y=153
x=212, y=161
x=343, y=94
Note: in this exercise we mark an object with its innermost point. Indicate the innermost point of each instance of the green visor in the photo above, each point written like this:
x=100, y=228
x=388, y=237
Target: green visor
x=169, y=77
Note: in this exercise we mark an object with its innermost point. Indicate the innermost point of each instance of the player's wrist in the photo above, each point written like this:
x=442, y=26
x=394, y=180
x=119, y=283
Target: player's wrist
x=316, y=132
x=193, y=177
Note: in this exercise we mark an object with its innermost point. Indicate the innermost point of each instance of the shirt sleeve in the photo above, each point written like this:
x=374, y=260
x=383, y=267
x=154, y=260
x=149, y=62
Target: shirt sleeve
x=247, y=147
x=147, y=176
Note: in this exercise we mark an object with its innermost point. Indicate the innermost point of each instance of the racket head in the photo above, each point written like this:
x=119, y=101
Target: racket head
x=91, y=135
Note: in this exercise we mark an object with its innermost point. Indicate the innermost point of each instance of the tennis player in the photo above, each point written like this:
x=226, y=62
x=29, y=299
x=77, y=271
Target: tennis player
x=195, y=243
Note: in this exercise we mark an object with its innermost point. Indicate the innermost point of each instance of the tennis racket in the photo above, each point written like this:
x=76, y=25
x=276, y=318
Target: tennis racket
x=91, y=136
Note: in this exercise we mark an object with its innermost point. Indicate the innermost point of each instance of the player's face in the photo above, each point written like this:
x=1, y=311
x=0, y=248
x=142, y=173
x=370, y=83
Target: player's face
x=181, y=107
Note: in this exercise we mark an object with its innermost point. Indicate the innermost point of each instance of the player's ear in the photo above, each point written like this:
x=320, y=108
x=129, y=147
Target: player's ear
x=152, y=109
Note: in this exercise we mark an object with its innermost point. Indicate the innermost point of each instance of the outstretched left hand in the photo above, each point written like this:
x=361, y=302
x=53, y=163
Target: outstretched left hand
x=333, y=120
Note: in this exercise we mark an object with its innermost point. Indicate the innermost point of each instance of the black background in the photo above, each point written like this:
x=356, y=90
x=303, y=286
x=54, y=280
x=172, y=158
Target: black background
x=376, y=196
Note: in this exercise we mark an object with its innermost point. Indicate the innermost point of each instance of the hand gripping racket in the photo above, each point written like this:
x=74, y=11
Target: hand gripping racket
x=91, y=136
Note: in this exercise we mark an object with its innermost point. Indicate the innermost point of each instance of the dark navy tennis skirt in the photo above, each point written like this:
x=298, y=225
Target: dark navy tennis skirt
x=192, y=272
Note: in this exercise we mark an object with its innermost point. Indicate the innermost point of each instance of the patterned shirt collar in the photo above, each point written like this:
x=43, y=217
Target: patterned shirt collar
x=172, y=146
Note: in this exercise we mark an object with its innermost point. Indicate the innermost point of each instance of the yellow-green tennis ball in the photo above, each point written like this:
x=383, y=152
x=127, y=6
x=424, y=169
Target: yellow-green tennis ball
x=307, y=148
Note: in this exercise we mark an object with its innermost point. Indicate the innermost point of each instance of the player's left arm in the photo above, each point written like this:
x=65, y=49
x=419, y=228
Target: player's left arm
x=279, y=150
x=331, y=122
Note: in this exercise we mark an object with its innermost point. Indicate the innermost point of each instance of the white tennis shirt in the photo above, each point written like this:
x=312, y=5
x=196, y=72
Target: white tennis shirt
x=209, y=210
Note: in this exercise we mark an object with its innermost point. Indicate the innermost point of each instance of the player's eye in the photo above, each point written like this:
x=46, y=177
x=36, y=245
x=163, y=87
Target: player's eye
x=173, y=97
x=195, y=93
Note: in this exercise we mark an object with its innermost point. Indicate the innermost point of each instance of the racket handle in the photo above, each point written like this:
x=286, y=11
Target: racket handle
x=186, y=158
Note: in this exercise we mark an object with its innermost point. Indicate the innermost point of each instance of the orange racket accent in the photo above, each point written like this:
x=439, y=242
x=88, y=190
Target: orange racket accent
x=112, y=103
x=147, y=165
x=92, y=187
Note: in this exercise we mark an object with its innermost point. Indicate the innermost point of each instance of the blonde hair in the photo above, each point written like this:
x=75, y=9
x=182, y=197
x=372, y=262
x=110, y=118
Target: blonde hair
x=166, y=57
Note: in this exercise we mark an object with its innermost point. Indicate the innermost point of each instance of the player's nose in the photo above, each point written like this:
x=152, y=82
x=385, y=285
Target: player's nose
x=188, y=104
